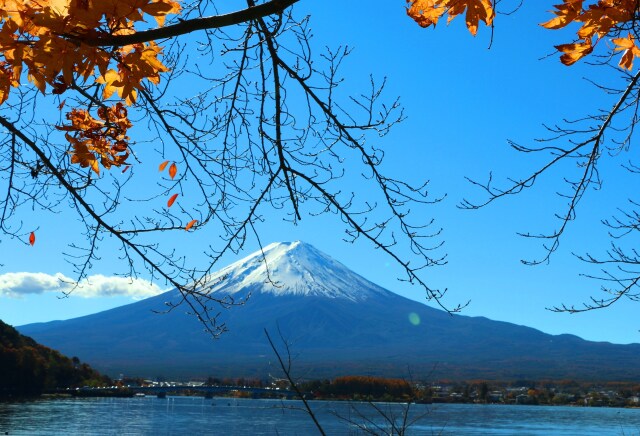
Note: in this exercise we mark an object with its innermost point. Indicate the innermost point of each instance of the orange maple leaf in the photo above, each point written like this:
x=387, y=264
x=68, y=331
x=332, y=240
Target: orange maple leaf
x=575, y=51
x=158, y=9
x=428, y=12
x=477, y=10
x=566, y=13
x=631, y=51
x=599, y=19
x=603, y=16
x=425, y=12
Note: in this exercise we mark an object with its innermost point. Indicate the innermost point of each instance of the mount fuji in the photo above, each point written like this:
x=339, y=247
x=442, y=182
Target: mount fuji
x=293, y=269
x=335, y=322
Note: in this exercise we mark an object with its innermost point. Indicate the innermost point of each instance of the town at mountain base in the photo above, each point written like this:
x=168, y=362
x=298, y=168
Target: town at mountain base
x=335, y=323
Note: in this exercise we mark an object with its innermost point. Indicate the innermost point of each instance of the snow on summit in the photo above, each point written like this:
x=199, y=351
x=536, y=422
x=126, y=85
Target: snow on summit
x=293, y=268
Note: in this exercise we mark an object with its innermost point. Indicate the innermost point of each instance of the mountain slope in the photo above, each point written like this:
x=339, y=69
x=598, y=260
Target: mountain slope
x=28, y=368
x=337, y=323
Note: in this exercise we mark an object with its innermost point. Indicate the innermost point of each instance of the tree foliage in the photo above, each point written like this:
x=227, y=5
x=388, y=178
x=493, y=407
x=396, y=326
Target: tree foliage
x=29, y=369
x=238, y=117
x=242, y=116
x=374, y=387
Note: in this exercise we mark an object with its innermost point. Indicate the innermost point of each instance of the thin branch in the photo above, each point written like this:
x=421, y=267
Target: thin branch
x=294, y=385
x=187, y=26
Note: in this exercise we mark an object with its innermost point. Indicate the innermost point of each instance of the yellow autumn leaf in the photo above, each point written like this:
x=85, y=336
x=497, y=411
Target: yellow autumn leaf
x=425, y=12
x=631, y=51
x=111, y=81
x=574, y=52
x=566, y=13
x=428, y=12
x=477, y=10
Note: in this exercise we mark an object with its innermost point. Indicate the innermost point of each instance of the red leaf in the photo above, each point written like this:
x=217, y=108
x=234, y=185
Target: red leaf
x=173, y=170
x=125, y=169
x=190, y=224
x=172, y=200
x=32, y=238
x=163, y=165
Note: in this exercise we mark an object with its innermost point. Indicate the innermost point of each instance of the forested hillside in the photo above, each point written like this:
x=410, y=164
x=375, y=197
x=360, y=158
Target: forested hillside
x=29, y=369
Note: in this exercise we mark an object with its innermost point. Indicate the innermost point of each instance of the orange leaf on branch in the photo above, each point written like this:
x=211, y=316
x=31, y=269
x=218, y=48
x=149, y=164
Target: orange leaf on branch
x=425, y=12
x=190, y=224
x=159, y=9
x=172, y=200
x=599, y=19
x=138, y=62
x=32, y=238
x=46, y=37
x=163, y=165
x=102, y=140
x=173, y=170
x=631, y=51
x=6, y=78
x=566, y=13
x=574, y=52
x=477, y=10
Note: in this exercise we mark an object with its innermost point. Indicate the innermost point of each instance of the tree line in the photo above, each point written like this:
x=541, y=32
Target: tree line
x=29, y=369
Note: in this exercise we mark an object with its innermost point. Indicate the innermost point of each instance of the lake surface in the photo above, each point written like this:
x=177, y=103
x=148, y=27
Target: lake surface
x=224, y=416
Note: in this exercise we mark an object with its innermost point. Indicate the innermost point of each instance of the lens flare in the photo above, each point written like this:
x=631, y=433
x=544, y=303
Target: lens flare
x=414, y=318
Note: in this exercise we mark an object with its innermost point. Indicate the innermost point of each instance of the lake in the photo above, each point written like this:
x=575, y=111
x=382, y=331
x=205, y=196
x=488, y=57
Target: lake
x=226, y=416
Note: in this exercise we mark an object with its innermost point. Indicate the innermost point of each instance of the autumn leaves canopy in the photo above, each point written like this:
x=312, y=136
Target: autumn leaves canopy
x=45, y=38
x=597, y=20
x=48, y=39
x=56, y=46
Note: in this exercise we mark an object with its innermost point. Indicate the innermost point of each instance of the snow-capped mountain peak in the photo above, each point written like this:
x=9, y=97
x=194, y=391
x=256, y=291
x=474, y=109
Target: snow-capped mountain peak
x=292, y=268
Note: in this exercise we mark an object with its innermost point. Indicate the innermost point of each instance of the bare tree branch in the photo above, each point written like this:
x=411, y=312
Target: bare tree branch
x=187, y=26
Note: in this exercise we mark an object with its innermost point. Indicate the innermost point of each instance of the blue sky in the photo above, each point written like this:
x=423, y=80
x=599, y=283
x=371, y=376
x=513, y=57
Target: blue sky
x=463, y=101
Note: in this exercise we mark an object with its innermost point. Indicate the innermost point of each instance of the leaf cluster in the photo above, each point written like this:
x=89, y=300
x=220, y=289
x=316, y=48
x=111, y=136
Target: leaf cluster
x=428, y=12
x=597, y=20
x=101, y=140
x=47, y=39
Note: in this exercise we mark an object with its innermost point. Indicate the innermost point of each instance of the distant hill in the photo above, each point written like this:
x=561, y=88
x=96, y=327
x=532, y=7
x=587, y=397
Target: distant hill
x=337, y=323
x=28, y=368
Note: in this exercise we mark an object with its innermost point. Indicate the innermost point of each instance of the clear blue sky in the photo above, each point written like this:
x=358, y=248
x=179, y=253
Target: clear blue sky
x=463, y=101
